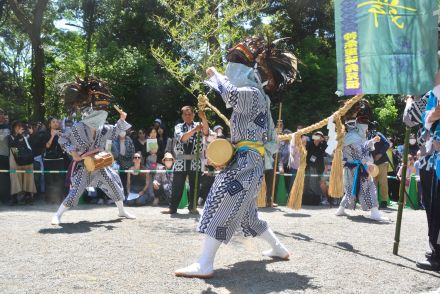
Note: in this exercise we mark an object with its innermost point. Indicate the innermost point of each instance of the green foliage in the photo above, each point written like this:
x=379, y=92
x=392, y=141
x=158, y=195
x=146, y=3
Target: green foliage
x=202, y=30
x=153, y=54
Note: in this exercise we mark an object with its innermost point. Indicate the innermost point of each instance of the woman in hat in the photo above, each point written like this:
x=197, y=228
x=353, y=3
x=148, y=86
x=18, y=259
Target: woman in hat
x=163, y=180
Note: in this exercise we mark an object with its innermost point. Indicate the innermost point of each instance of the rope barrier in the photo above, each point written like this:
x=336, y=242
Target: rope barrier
x=29, y=171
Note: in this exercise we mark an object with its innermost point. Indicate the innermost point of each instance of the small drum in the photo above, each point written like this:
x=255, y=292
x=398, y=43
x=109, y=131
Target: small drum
x=98, y=161
x=373, y=170
x=220, y=152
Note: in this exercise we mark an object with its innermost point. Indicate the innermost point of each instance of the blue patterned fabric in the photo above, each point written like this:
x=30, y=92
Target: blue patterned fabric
x=231, y=202
x=357, y=185
x=79, y=138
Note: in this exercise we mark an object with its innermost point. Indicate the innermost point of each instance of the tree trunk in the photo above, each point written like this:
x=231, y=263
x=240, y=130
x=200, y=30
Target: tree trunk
x=32, y=26
x=38, y=79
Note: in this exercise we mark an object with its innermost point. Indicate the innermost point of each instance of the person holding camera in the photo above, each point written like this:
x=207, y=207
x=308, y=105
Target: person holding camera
x=55, y=159
x=313, y=194
x=21, y=158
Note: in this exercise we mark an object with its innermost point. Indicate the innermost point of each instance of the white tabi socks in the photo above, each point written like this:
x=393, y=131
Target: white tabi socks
x=56, y=219
x=278, y=250
x=204, y=267
x=340, y=211
x=377, y=216
x=123, y=212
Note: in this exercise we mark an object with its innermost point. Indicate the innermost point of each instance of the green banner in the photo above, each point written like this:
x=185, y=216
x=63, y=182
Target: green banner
x=386, y=46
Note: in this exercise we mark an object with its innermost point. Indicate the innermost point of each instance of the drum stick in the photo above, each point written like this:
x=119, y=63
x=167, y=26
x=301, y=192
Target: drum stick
x=118, y=109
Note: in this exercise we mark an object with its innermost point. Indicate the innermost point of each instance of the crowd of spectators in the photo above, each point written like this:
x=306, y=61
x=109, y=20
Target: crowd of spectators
x=34, y=146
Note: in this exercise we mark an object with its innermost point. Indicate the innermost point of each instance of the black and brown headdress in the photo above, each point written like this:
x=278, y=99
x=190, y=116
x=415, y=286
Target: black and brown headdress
x=277, y=67
x=89, y=92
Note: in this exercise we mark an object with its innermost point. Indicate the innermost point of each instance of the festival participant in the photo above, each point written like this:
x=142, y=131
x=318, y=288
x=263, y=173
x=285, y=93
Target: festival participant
x=358, y=185
x=231, y=202
x=88, y=137
x=185, y=149
x=431, y=119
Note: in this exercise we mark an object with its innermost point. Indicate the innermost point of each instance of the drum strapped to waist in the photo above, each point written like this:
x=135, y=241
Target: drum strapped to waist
x=98, y=161
x=373, y=170
x=221, y=151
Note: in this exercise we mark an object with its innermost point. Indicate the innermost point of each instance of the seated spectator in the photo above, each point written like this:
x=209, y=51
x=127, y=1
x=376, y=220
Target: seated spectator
x=163, y=182
x=137, y=183
x=21, y=158
x=123, y=151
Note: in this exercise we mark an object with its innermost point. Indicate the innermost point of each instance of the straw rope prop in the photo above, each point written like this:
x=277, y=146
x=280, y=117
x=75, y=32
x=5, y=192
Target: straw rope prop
x=336, y=185
x=295, y=197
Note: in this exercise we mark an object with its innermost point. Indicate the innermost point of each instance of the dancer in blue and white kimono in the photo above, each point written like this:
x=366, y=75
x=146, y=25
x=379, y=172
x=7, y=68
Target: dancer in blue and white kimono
x=358, y=185
x=231, y=203
x=87, y=137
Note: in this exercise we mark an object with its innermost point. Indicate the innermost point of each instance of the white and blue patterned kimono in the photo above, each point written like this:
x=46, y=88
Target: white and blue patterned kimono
x=357, y=151
x=79, y=138
x=231, y=202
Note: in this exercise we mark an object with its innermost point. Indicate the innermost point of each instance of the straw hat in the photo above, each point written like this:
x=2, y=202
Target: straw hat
x=167, y=155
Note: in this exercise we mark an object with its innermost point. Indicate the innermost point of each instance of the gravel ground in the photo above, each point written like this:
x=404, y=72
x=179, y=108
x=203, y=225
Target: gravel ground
x=94, y=251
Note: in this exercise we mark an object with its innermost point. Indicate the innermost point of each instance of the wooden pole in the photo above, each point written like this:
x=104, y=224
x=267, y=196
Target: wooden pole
x=401, y=192
x=196, y=180
x=279, y=131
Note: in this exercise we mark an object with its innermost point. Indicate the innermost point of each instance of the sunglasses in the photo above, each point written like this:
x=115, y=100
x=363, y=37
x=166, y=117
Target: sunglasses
x=137, y=157
x=167, y=160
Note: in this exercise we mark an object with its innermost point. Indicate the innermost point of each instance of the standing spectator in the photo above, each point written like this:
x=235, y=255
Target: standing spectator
x=123, y=151
x=295, y=156
x=163, y=182
x=140, y=143
x=137, y=183
x=157, y=123
x=284, y=161
x=208, y=176
x=393, y=163
x=413, y=146
x=152, y=155
x=381, y=160
x=162, y=140
x=55, y=159
x=410, y=171
x=315, y=169
x=21, y=158
x=218, y=129
x=37, y=141
x=185, y=148
x=4, y=158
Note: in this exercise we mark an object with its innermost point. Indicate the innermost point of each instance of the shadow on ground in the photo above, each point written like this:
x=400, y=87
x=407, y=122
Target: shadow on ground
x=254, y=277
x=80, y=227
x=345, y=246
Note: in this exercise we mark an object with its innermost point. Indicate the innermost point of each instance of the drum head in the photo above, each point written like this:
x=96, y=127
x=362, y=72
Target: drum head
x=89, y=163
x=373, y=170
x=220, y=152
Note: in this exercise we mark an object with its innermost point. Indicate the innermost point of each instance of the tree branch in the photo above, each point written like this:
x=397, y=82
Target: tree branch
x=21, y=16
